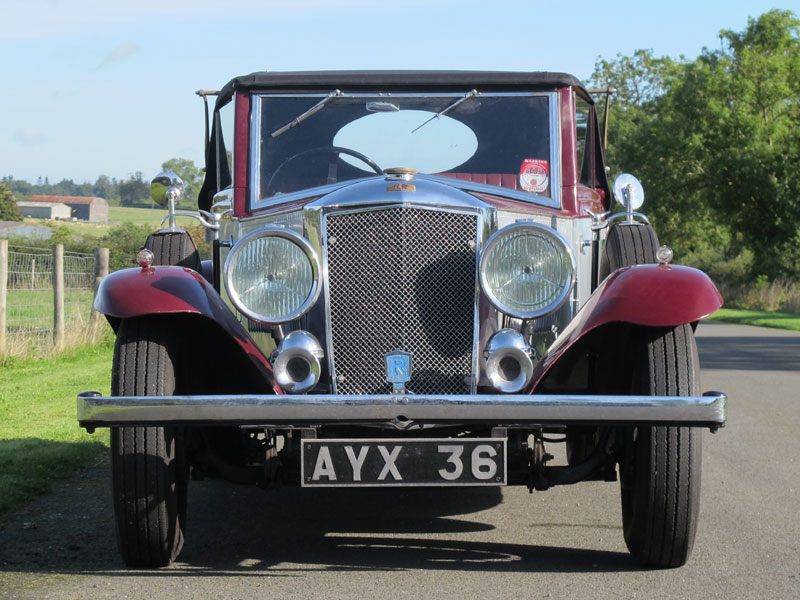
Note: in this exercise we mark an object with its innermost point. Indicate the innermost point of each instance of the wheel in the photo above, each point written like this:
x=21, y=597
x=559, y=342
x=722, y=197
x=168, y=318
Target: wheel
x=660, y=468
x=147, y=463
x=628, y=244
x=333, y=150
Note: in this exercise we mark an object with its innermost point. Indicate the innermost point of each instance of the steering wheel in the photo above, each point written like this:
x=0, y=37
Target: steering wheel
x=333, y=166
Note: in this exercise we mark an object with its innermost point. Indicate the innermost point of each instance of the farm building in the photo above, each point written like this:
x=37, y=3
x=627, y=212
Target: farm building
x=83, y=208
x=44, y=210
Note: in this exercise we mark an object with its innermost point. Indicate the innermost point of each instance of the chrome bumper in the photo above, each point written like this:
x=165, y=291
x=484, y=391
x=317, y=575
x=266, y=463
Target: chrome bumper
x=401, y=411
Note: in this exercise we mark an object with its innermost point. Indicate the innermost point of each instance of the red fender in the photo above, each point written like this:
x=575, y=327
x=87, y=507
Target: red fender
x=174, y=290
x=648, y=295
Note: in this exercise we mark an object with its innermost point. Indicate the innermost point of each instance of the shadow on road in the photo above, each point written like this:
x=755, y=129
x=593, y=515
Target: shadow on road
x=753, y=353
x=245, y=531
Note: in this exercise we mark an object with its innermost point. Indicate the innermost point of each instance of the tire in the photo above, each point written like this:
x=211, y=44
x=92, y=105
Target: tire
x=148, y=464
x=626, y=245
x=173, y=248
x=660, y=469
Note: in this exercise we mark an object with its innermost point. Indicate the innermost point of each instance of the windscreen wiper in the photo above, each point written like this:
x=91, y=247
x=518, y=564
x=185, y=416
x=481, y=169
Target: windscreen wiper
x=467, y=96
x=299, y=119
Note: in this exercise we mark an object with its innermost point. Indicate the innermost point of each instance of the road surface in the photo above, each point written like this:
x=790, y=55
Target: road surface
x=563, y=543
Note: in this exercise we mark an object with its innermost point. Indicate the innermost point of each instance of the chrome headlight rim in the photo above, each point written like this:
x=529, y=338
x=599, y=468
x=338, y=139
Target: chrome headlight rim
x=308, y=250
x=562, y=244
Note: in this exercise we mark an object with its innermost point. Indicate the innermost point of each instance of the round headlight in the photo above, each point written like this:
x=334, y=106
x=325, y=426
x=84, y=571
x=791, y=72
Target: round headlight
x=272, y=275
x=527, y=270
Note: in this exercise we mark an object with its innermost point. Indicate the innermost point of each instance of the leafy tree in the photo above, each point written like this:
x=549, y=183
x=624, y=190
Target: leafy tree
x=133, y=190
x=8, y=205
x=21, y=189
x=104, y=187
x=715, y=143
x=191, y=175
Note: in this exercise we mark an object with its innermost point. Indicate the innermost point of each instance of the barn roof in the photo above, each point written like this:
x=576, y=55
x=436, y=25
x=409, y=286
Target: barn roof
x=66, y=199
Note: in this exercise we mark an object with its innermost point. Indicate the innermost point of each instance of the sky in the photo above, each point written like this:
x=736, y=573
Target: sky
x=94, y=87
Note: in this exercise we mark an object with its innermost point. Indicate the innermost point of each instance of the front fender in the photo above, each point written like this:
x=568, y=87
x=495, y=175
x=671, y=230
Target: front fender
x=645, y=295
x=162, y=290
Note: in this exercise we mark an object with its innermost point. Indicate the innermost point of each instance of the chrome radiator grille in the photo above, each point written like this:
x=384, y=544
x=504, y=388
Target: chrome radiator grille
x=402, y=278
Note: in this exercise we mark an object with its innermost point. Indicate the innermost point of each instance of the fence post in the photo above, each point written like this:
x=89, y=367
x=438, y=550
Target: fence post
x=58, y=295
x=3, y=289
x=101, y=259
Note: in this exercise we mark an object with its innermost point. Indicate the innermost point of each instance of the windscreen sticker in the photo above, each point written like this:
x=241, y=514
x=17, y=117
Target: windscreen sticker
x=534, y=175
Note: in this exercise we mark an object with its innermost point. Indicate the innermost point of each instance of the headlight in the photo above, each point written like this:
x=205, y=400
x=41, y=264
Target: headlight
x=272, y=275
x=527, y=270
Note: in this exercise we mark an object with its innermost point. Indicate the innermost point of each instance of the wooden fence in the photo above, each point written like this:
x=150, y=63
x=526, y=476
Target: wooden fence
x=42, y=290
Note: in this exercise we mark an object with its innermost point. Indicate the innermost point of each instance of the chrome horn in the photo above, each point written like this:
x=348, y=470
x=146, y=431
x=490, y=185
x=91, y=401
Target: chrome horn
x=509, y=365
x=296, y=365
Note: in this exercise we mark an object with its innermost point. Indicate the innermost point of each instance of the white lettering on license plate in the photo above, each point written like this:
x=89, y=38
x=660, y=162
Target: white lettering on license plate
x=426, y=462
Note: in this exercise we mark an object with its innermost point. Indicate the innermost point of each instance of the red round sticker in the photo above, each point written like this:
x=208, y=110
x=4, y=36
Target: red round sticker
x=534, y=175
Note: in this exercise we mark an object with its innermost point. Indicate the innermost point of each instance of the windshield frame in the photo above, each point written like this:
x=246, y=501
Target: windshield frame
x=254, y=178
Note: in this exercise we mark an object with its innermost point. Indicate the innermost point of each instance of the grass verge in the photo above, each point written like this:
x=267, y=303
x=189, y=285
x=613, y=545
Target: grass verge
x=40, y=440
x=776, y=320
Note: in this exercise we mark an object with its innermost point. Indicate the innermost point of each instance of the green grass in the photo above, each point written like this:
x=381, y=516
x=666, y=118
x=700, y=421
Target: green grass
x=776, y=320
x=116, y=216
x=33, y=309
x=40, y=440
x=149, y=216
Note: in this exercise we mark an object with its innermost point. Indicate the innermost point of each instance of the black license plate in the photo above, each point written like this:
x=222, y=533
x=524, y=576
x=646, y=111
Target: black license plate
x=403, y=462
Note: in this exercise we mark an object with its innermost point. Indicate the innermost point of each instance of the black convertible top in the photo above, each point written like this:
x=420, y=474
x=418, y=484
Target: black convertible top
x=368, y=81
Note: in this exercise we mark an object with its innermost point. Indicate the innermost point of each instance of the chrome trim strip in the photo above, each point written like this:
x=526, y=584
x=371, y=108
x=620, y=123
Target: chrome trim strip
x=402, y=410
x=555, y=150
x=255, y=202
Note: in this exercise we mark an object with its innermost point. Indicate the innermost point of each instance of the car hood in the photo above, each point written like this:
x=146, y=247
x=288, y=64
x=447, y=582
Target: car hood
x=417, y=190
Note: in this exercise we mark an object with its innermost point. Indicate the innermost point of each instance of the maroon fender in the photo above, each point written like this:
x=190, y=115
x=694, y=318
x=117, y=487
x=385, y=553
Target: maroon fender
x=174, y=290
x=648, y=295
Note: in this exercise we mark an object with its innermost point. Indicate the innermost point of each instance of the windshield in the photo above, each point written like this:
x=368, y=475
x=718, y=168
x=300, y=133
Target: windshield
x=493, y=139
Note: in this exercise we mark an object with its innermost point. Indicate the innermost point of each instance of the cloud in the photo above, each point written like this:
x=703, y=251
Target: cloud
x=28, y=136
x=120, y=53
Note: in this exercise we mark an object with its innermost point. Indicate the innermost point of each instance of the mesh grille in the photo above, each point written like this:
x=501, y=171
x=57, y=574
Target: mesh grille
x=402, y=278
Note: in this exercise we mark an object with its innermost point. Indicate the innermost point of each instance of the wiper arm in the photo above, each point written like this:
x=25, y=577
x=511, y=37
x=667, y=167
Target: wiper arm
x=467, y=96
x=314, y=109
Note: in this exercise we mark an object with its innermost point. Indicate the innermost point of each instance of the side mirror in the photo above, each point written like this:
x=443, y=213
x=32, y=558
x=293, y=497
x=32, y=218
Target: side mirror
x=165, y=188
x=628, y=192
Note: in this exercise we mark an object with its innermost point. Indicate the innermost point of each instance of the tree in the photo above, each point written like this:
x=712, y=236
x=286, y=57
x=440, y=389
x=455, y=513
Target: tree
x=134, y=189
x=8, y=205
x=191, y=175
x=717, y=145
x=103, y=187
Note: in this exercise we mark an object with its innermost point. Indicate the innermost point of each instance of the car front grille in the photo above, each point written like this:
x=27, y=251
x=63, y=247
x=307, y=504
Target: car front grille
x=402, y=279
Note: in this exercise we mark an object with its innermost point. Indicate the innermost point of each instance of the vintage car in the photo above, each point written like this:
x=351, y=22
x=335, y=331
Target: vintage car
x=416, y=279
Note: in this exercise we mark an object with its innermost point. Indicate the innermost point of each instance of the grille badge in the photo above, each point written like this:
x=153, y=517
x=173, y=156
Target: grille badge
x=398, y=370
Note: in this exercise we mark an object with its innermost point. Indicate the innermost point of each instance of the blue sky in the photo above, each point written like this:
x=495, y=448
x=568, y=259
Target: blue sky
x=94, y=87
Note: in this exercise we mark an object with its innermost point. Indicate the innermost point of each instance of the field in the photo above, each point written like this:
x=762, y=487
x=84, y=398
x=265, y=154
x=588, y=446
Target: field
x=30, y=310
x=116, y=216
x=39, y=437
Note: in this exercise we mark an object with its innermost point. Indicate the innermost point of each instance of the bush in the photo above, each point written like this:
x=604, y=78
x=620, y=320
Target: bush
x=123, y=243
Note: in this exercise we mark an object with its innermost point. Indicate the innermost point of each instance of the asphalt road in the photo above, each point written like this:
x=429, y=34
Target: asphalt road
x=563, y=543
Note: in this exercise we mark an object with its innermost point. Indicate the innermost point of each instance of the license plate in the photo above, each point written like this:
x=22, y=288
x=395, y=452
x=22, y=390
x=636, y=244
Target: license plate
x=403, y=462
